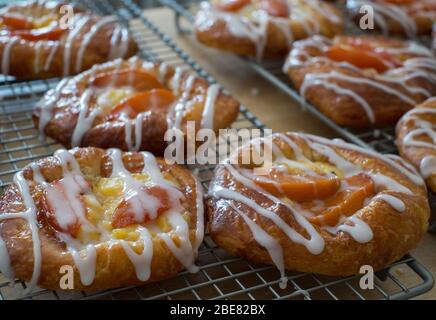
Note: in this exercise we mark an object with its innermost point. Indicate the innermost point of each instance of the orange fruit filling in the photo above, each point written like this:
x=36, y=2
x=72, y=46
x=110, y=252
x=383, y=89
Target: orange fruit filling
x=276, y=8
x=124, y=214
x=307, y=190
x=362, y=55
x=347, y=202
x=231, y=5
x=17, y=25
x=301, y=188
x=153, y=100
x=136, y=79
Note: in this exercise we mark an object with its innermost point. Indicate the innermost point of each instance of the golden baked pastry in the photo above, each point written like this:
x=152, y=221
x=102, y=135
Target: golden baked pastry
x=130, y=105
x=416, y=140
x=322, y=206
x=36, y=43
x=398, y=17
x=264, y=28
x=361, y=81
x=117, y=219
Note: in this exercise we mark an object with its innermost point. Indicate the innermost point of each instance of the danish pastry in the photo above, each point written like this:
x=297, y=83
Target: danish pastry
x=129, y=105
x=397, y=17
x=416, y=139
x=34, y=43
x=115, y=219
x=361, y=81
x=264, y=28
x=321, y=206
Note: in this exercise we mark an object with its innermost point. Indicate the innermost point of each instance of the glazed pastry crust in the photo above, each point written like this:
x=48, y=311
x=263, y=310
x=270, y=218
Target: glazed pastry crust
x=414, y=154
x=394, y=233
x=214, y=31
x=343, y=109
x=413, y=10
x=113, y=267
x=24, y=56
x=106, y=133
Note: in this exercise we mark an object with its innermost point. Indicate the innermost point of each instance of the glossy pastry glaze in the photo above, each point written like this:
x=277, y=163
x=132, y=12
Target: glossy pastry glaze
x=46, y=49
x=416, y=139
x=325, y=206
x=264, y=27
x=130, y=105
x=117, y=218
x=362, y=81
x=407, y=17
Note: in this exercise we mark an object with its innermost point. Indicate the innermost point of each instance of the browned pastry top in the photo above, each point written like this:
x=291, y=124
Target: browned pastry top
x=416, y=139
x=408, y=18
x=116, y=219
x=321, y=206
x=264, y=28
x=39, y=40
x=362, y=81
x=130, y=105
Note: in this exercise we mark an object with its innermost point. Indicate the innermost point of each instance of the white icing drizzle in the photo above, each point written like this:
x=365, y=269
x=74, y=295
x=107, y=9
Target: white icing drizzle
x=84, y=121
x=162, y=72
x=311, y=80
x=124, y=46
x=199, y=233
x=86, y=258
x=47, y=104
x=119, y=43
x=184, y=252
x=354, y=225
x=255, y=27
x=5, y=261
x=209, y=107
x=421, y=62
x=141, y=261
x=37, y=61
x=85, y=261
x=176, y=114
x=315, y=244
x=324, y=10
x=273, y=247
x=393, y=201
x=414, y=178
x=390, y=11
x=138, y=132
x=30, y=216
x=359, y=230
x=421, y=127
x=79, y=25
x=137, y=198
x=417, y=67
x=87, y=39
x=7, y=54
x=428, y=166
x=51, y=55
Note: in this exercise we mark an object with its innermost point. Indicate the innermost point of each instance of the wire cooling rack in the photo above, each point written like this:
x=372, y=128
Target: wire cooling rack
x=221, y=276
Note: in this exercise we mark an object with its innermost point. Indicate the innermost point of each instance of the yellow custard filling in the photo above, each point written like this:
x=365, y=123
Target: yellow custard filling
x=109, y=98
x=101, y=203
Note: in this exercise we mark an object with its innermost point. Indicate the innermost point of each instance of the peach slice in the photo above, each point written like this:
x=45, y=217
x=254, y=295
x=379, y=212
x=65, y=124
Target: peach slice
x=299, y=188
x=124, y=215
x=156, y=100
x=138, y=80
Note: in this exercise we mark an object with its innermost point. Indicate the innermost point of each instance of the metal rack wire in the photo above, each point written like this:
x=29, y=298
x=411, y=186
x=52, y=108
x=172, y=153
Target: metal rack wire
x=221, y=276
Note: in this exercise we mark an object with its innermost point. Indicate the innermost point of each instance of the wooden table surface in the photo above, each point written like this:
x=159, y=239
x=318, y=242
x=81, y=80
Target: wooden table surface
x=274, y=108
